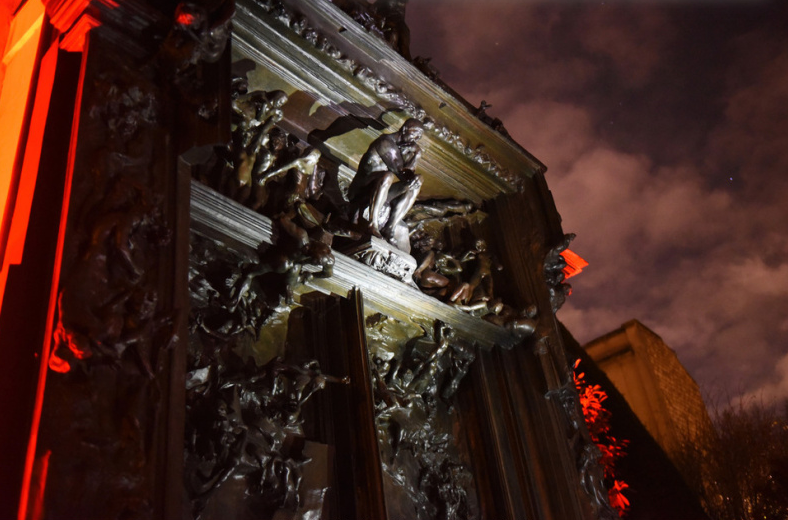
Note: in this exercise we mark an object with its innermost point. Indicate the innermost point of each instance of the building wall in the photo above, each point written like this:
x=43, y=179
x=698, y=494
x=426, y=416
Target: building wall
x=655, y=384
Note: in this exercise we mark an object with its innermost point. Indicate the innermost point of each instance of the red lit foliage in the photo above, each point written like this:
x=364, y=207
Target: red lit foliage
x=597, y=419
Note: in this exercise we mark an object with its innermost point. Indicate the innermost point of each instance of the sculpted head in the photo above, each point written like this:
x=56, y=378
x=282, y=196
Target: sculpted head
x=278, y=98
x=412, y=130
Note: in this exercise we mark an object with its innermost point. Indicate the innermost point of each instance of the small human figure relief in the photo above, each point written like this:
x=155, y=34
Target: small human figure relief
x=253, y=149
x=244, y=432
x=479, y=286
x=568, y=398
x=554, y=264
x=593, y=481
x=462, y=275
x=302, y=238
x=521, y=323
x=495, y=123
x=265, y=169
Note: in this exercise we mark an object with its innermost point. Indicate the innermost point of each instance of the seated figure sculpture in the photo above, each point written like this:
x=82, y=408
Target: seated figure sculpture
x=386, y=184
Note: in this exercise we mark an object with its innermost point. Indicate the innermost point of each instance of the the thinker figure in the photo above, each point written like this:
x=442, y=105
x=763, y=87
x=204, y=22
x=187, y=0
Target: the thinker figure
x=386, y=183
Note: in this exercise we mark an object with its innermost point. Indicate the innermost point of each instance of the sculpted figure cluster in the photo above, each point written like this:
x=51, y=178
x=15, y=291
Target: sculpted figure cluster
x=269, y=172
x=413, y=396
x=554, y=264
x=245, y=422
x=109, y=301
x=266, y=171
x=461, y=276
x=243, y=417
x=254, y=149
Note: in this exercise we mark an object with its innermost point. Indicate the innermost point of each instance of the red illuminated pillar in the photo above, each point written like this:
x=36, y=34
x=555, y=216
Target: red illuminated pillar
x=22, y=130
x=93, y=319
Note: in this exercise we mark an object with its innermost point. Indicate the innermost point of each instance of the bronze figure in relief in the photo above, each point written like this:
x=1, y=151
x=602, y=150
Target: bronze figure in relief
x=244, y=435
x=414, y=390
x=386, y=184
x=554, y=264
x=254, y=116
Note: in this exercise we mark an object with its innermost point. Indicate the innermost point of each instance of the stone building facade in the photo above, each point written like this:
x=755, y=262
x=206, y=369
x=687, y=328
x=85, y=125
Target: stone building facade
x=654, y=383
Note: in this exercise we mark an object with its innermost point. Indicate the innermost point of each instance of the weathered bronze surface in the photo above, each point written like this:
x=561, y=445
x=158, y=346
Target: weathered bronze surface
x=264, y=169
x=554, y=264
x=124, y=230
x=310, y=132
x=244, y=434
x=415, y=380
x=114, y=325
x=227, y=221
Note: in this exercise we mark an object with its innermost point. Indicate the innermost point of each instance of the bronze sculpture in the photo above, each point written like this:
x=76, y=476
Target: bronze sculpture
x=386, y=183
x=254, y=116
x=479, y=287
x=554, y=264
x=414, y=394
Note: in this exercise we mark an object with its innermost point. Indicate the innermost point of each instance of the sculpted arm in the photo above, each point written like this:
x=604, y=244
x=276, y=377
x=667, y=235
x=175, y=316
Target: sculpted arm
x=415, y=154
x=391, y=156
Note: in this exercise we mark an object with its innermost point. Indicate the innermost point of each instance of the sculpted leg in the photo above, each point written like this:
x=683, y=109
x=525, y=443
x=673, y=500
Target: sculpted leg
x=379, y=200
x=402, y=204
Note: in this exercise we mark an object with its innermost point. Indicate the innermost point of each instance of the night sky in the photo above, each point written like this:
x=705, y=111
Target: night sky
x=664, y=127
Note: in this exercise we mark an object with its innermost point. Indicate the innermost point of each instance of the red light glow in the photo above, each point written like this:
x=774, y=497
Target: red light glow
x=28, y=496
x=39, y=482
x=597, y=419
x=574, y=264
x=184, y=18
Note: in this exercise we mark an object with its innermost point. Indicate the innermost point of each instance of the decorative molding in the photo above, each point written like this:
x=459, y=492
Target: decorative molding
x=393, y=84
x=381, y=256
x=74, y=19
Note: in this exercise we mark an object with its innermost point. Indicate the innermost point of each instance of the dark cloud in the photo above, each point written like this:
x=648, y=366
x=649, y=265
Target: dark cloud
x=665, y=130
